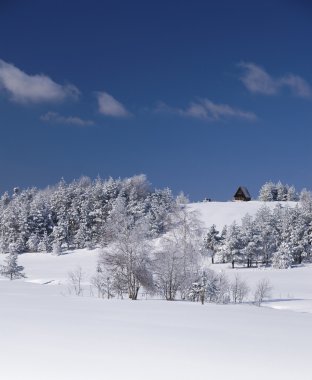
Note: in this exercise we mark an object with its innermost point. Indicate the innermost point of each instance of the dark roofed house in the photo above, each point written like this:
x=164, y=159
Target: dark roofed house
x=242, y=194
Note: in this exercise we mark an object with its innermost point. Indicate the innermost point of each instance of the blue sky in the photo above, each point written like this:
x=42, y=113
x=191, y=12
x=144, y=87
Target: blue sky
x=201, y=96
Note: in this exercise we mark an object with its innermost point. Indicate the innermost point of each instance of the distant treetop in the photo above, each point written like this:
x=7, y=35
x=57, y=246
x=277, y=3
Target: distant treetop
x=271, y=192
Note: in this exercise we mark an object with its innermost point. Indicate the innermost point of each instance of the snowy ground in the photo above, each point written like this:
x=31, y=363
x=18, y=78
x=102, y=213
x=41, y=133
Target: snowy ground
x=46, y=333
x=291, y=288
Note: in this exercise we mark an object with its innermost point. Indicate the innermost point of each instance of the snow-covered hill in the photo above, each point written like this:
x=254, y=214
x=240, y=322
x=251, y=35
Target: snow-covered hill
x=48, y=333
x=222, y=213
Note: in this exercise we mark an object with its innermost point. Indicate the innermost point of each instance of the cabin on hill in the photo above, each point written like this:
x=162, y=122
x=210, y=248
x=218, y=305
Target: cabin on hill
x=242, y=194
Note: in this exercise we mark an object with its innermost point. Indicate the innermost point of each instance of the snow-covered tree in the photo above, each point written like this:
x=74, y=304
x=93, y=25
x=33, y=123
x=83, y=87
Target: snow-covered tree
x=217, y=287
x=282, y=258
x=222, y=249
x=10, y=268
x=212, y=241
x=292, y=194
x=268, y=192
x=199, y=288
x=182, y=199
x=161, y=208
x=56, y=248
x=266, y=226
x=234, y=244
x=277, y=192
x=250, y=241
x=33, y=242
x=177, y=261
x=169, y=269
x=127, y=260
x=282, y=191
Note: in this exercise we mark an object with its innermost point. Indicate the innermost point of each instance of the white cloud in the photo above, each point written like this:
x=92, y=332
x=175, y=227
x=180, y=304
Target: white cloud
x=109, y=106
x=258, y=80
x=298, y=85
x=55, y=118
x=205, y=109
x=38, y=88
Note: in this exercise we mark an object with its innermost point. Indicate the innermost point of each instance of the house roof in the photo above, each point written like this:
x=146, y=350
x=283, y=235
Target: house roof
x=244, y=191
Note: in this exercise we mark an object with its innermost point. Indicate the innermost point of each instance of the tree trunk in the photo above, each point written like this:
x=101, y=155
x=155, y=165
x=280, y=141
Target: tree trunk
x=202, y=297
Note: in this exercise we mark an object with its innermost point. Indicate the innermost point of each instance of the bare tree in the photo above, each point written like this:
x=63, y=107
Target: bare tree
x=75, y=281
x=103, y=282
x=168, y=266
x=238, y=290
x=177, y=261
x=127, y=260
x=262, y=291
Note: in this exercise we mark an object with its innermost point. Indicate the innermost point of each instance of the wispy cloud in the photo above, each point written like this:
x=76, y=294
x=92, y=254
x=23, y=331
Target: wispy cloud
x=38, y=88
x=258, y=80
x=109, y=106
x=205, y=109
x=55, y=118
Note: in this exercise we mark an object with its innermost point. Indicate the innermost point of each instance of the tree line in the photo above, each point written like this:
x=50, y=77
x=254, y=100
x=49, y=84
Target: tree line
x=77, y=214
x=280, y=237
x=149, y=239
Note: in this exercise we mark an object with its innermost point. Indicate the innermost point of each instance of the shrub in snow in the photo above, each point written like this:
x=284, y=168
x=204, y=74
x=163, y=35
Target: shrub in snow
x=262, y=291
x=238, y=290
x=218, y=288
x=197, y=292
x=75, y=279
x=103, y=283
x=211, y=287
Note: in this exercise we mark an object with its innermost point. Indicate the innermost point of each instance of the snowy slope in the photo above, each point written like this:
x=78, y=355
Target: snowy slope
x=222, y=213
x=44, y=268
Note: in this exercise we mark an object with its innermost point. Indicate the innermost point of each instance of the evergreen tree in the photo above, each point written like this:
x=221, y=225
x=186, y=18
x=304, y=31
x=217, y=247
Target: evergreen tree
x=235, y=244
x=222, y=249
x=11, y=269
x=267, y=192
x=212, y=241
x=282, y=258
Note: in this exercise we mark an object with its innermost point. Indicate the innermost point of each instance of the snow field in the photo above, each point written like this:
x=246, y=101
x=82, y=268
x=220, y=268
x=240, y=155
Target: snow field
x=48, y=336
